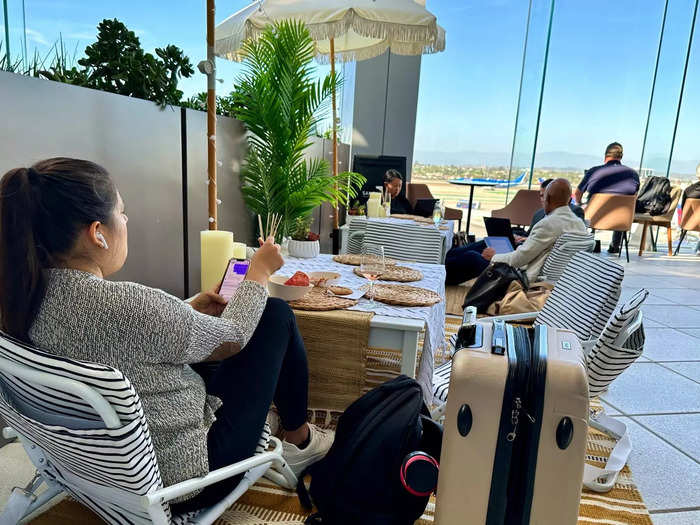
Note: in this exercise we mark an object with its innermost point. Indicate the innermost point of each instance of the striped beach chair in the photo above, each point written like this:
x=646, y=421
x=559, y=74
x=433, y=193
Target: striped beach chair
x=83, y=428
x=583, y=301
x=564, y=249
x=620, y=345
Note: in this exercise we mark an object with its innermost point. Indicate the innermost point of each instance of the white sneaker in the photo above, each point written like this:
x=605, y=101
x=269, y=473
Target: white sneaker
x=298, y=460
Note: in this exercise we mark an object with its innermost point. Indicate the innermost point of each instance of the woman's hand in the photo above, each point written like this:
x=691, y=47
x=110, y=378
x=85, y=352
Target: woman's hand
x=266, y=261
x=210, y=303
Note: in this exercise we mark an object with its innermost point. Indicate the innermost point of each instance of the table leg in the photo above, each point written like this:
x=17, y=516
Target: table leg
x=469, y=210
x=409, y=353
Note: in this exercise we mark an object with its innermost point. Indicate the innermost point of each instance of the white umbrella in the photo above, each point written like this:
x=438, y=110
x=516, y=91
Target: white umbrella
x=342, y=30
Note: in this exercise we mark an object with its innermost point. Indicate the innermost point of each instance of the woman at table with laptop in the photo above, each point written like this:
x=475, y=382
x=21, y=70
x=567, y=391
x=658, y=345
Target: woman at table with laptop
x=63, y=230
x=465, y=263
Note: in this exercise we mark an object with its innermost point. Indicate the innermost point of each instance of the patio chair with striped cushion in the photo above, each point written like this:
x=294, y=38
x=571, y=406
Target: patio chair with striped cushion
x=620, y=344
x=84, y=430
x=564, y=249
x=583, y=301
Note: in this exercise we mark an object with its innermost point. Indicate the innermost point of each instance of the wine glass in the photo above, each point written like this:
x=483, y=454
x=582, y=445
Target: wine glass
x=437, y=214
x=372, y=266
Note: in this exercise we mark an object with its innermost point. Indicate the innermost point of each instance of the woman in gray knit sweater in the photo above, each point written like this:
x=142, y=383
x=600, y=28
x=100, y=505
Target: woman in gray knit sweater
x=63, y=229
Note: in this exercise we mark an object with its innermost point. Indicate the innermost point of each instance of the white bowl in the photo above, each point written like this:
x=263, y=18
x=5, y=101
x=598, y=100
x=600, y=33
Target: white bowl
x=330, y=277
x=278, y=289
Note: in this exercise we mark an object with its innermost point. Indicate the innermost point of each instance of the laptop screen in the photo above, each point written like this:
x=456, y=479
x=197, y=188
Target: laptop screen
x=500, y=244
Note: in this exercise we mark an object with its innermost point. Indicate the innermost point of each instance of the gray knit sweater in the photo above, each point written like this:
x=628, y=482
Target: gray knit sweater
x=150, y=336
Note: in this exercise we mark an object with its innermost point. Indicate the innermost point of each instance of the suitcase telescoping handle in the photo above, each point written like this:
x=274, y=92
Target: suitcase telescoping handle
x=498, y=344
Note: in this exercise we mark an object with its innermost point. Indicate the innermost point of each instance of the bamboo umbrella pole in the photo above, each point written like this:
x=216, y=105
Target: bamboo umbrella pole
x=336, y=232
x=211, y=115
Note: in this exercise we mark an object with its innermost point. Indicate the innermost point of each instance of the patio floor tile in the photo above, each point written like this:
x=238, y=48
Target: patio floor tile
x=667, y=344
x=667, y=478
x=649, y=388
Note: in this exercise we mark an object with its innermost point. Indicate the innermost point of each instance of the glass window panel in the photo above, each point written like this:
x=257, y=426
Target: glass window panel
x=664, y=107
x=599, y=75
x=467, y=100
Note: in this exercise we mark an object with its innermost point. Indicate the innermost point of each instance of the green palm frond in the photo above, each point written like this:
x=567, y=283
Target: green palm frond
x=280, y=103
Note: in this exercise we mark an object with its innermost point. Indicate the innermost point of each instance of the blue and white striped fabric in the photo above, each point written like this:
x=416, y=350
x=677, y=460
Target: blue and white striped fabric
x=108, y=470
x=583, y=300
x=566, y=246
x=584, y=297
x=608, y=359
x=404, y=240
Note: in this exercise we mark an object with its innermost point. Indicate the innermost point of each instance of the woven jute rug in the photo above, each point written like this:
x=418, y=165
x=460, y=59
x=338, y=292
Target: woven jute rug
x=269, y=504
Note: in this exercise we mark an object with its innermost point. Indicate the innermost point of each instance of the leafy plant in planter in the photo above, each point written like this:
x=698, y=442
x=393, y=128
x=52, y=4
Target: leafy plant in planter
x=304, y=243
x=280, y=103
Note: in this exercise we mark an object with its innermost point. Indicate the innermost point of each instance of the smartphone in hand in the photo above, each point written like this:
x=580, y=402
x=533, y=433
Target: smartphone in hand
x=233, y=277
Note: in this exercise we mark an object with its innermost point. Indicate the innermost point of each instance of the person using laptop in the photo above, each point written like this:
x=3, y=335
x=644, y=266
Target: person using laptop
x=462, y=265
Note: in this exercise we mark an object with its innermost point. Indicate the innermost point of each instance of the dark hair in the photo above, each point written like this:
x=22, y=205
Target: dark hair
x=391, y=175
x=614, y=150
x=42, y=210
x=545, y=183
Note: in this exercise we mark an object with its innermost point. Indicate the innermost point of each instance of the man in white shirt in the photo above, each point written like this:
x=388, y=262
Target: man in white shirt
x=466, y=263
x=530, y=255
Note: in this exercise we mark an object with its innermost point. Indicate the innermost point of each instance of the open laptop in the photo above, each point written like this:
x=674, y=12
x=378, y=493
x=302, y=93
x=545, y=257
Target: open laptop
x=499, y=244
x=425, y=207
x=497, y=227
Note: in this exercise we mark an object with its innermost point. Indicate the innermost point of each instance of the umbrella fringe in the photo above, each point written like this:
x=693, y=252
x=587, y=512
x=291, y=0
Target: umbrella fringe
x=404, y=39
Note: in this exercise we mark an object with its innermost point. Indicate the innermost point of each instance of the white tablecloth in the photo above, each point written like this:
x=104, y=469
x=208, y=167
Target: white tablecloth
x=434, y=316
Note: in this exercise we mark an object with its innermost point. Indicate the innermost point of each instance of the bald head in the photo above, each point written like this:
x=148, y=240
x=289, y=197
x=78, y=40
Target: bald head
x=557, y=194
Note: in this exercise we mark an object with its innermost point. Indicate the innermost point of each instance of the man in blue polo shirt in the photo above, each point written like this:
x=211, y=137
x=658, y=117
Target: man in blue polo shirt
x=611, y=177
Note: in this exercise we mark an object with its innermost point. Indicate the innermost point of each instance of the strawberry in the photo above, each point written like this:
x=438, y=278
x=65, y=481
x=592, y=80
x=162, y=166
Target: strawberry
x=298, y=279
x=312, y=236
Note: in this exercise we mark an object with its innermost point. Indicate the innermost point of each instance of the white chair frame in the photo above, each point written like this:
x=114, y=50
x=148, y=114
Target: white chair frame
x=24, y=502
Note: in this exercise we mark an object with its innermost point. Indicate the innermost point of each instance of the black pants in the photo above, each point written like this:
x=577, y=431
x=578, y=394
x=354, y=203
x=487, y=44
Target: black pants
x=272, y=366
x=464, y=263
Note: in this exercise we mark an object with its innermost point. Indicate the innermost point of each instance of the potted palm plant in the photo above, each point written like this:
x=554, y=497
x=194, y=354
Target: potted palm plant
x=280, y=102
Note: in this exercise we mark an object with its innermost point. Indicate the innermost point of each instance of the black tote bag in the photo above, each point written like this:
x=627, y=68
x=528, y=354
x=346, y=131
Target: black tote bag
x=492, y=285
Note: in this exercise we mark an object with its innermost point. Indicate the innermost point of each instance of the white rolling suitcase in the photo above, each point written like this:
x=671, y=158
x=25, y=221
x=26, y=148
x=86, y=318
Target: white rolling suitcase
x=515, y=429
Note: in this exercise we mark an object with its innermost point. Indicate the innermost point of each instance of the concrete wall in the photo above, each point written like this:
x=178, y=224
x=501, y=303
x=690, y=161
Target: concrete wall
x=141, y=145
x=138, y=143
x=386, y=99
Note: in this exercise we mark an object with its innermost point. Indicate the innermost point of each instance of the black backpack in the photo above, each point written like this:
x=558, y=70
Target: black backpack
x=360, y=479
x=654, y=197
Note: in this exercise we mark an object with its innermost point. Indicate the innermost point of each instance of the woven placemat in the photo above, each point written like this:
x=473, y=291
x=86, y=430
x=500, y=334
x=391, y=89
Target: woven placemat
x=401, y=274
x=319, y=300
x=355, y=259
x=404, y=295
x=340, y=290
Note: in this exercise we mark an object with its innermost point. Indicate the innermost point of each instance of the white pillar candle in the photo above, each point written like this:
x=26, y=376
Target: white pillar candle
x=217, y=251
x=239, y=251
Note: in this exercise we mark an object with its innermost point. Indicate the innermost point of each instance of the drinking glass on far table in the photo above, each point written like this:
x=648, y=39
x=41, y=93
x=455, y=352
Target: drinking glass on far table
x=437, y=214
x=372, y=266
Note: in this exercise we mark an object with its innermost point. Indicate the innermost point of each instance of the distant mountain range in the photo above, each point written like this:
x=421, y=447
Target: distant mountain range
x=560, y=160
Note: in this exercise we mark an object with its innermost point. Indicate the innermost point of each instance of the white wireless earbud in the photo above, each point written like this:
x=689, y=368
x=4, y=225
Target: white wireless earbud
x=102, y=239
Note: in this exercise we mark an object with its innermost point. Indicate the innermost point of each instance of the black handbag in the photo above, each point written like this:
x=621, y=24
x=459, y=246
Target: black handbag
x=492, y=285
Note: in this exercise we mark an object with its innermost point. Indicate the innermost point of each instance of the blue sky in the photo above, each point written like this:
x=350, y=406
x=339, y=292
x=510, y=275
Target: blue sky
x=597, y=90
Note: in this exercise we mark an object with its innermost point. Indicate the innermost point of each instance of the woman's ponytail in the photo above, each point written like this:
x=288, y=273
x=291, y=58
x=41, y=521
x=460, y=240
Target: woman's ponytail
x=42, y=210
x=21, y=271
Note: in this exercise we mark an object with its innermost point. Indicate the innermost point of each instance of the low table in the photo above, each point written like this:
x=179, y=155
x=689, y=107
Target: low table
x=394, y=327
